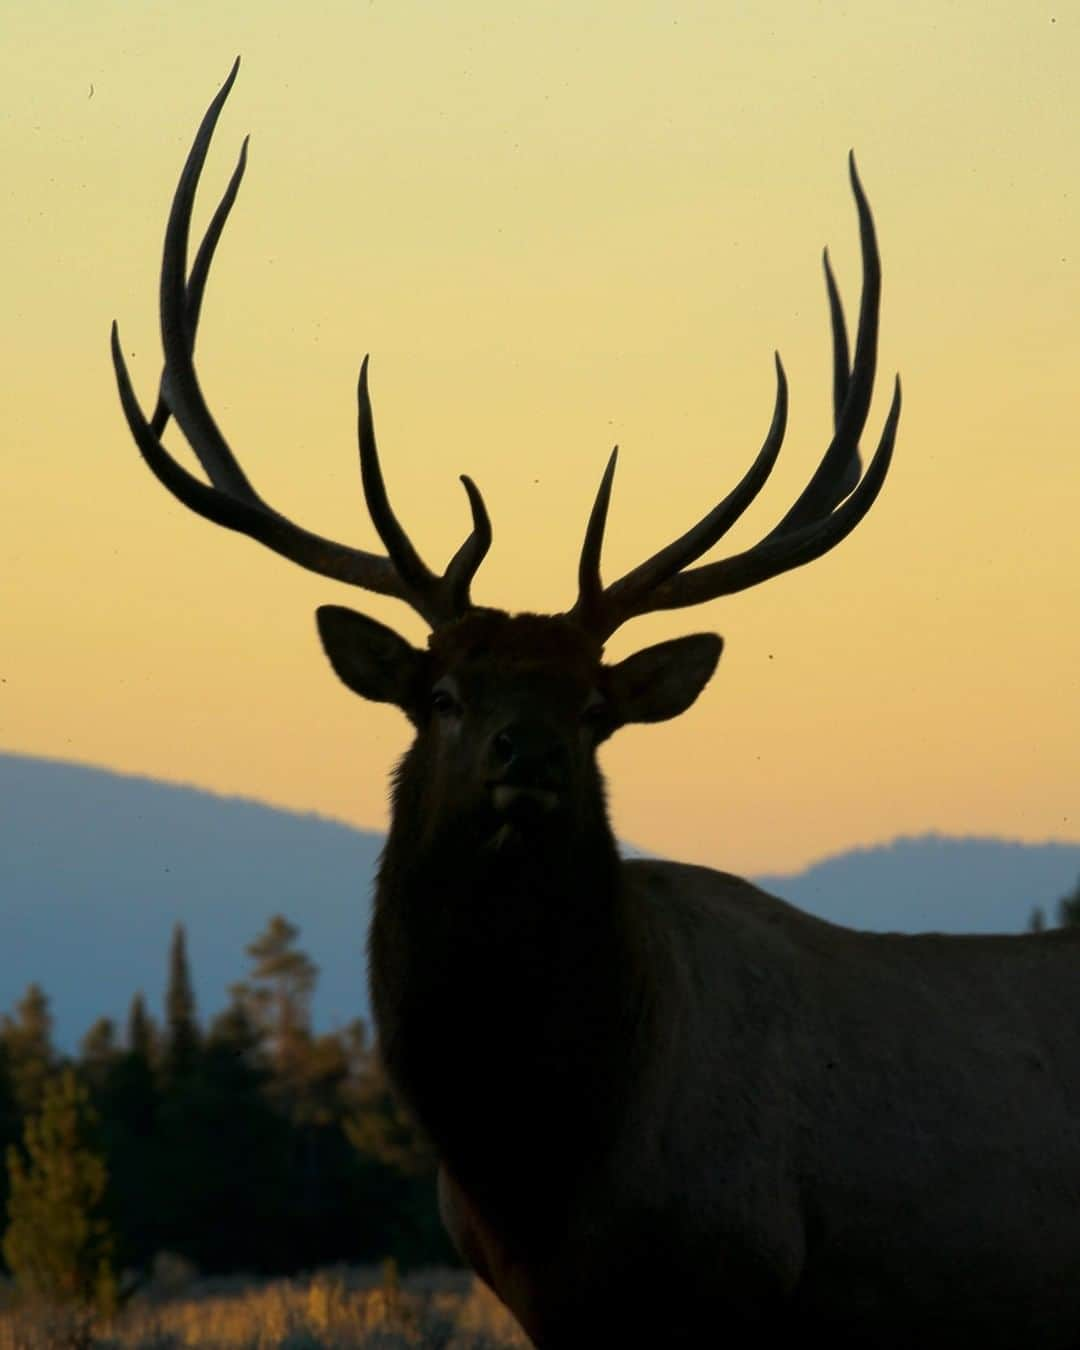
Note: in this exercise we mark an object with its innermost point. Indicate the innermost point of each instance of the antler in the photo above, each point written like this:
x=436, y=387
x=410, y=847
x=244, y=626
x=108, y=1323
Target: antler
x=229, y=499
x=829, y=507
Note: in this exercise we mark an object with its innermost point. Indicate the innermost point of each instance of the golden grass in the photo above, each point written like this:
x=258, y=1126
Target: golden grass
x=332, y=1310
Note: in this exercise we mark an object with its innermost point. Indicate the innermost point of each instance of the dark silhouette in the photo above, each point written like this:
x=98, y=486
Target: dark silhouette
x=1067, y=911
x=640, y=1076
x=181, y=1047
x=323, y=873
x=246, y=1161
x=130, y=1102
x=26, y=1039
x=142, y=1036
x=1068, y=908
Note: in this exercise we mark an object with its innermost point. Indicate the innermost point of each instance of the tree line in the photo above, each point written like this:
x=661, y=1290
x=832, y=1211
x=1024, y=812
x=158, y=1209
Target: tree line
x=251, y=1143
x=1067, y=912
x=248, y=1144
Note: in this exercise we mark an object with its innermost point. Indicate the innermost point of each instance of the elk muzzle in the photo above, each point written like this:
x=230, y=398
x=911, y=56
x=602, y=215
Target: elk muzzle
x=528, y=769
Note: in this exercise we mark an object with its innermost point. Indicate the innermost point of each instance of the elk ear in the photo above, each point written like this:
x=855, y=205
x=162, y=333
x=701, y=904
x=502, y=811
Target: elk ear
x=370, y=658
x=662, y=681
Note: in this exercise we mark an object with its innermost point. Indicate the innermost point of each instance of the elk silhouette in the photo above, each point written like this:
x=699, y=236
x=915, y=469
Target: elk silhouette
x=669, y=1109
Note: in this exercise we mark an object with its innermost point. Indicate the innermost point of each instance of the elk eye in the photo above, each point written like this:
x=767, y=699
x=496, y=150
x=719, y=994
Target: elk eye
x=595, y=711
x=444, y=703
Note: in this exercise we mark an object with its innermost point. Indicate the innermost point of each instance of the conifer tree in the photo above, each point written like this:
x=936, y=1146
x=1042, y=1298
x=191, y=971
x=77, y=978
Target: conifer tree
x=130, y=1110
x=141, y=1032
x=135, y=1094
x=181, y=1028
x=10, y=1120
x=1067, y=911
x=27, y=1041
x=181, y=1141
x=244, y=1166
x=57, y=1244
x=1069, y=907
x=278, y=993
x=98, y=1055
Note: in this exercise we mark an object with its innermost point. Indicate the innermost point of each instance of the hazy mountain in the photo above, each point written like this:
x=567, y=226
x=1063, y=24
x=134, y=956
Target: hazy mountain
x=934, y=883
x=96, y=867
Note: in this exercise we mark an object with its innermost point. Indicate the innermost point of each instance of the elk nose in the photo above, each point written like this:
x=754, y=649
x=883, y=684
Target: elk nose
x=528, y=754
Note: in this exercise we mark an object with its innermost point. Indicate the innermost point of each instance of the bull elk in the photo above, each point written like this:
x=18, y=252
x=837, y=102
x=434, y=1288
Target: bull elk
x=669, y=1109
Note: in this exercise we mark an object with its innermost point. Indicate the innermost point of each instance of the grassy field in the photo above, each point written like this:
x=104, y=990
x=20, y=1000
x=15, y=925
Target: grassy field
x=331, y=1310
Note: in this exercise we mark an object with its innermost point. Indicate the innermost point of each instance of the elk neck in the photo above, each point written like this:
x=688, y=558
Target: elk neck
x=507, y=997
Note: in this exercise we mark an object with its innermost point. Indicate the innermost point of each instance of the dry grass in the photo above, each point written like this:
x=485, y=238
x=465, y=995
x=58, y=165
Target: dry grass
x=332, y=1310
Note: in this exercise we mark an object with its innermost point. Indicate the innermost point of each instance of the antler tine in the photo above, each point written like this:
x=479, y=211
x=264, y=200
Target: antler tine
x=841, y=374
x=255, y=519
x=229, y=498
x=398, y=544
x=597, y=608
x=180, y=383
x=589, y=610
x=444, y=597
x=200, y=271
x=463, y=566
x=830, y=506
x=841, y=459
x=780, y=553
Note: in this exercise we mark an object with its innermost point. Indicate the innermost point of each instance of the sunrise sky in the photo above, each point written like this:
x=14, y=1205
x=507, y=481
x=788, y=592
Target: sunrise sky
x=555, y=227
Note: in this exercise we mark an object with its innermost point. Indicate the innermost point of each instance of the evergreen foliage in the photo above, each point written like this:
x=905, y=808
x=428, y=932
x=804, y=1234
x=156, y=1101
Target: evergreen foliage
x=277, y=993
x=128, y=1101
x=58, y=1245
x=10, y=1120
x=1069, y=907
x=142, y=1036
x=98, y=1053
x=181, y=1028
x=254, y=1144
x=27, y=1041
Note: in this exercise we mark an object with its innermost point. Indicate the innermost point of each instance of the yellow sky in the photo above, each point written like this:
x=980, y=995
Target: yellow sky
x=556, y=226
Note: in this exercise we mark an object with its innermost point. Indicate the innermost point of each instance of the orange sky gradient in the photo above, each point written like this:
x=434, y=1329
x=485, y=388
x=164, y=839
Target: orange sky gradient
x=556, y=227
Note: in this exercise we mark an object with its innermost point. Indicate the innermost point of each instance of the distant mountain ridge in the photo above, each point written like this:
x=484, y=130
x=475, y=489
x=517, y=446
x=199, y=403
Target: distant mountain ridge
x=96, y=867
x=934, y=883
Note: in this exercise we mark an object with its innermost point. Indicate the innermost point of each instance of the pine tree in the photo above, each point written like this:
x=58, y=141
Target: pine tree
x=27, y=1041
x=180, y=1140
x=1069, y=907
x=130, y=1109
x=10, y=1119
x=1067, y=910
x=278, y=994
x=142, y=1035
x=181, y=1028
x=98, y=1055
x=57, y=1244
x=135, y=1094
x=245, y=1165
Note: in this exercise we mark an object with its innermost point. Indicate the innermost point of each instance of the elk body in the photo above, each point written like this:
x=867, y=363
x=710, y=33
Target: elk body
x=670, y=1110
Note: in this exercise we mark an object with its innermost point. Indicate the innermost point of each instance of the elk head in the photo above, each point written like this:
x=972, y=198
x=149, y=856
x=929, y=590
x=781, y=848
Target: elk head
x=508, y=709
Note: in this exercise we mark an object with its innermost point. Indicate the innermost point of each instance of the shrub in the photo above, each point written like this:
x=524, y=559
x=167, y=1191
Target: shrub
x=58, y=1245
